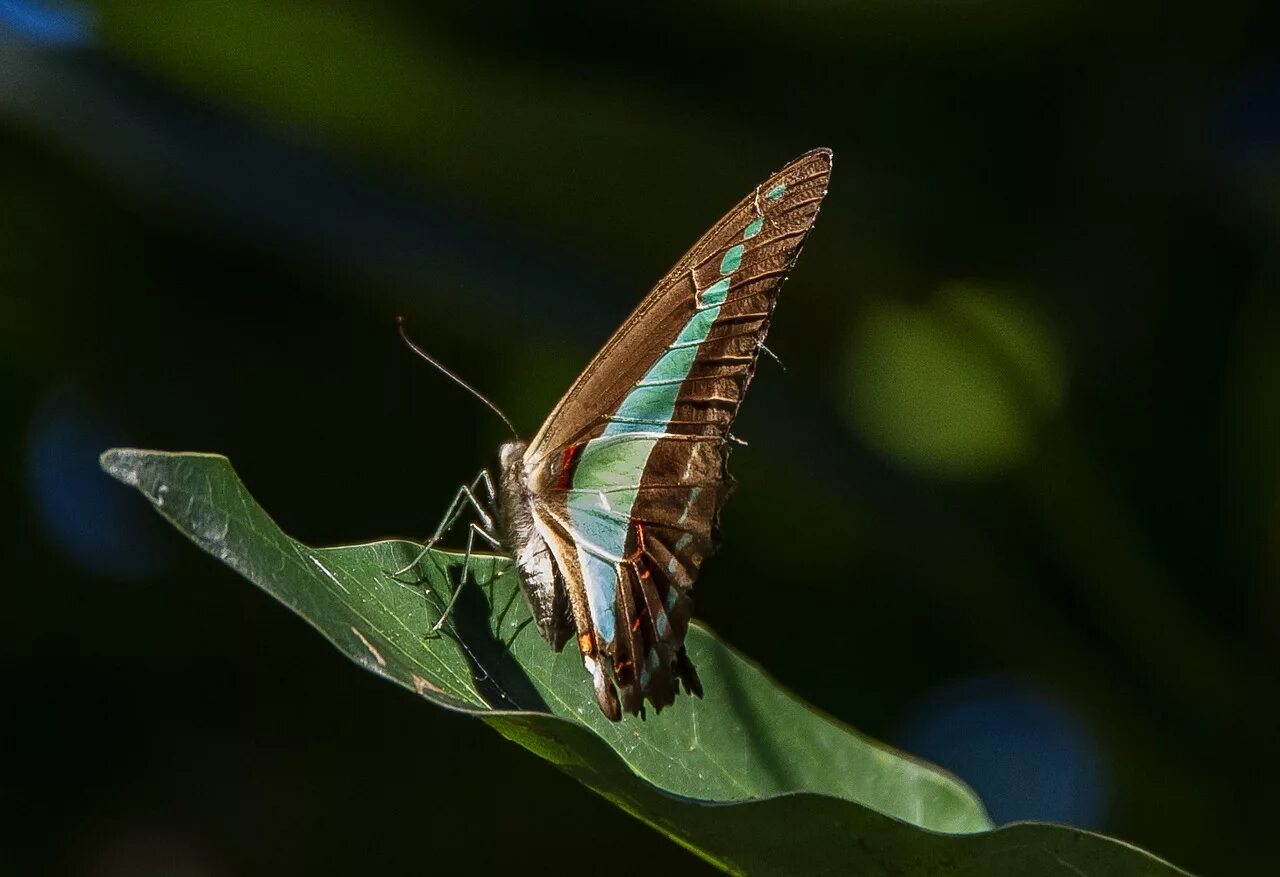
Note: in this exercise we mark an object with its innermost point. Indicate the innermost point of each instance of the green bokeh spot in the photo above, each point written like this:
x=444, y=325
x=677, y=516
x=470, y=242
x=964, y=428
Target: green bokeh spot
x=955, y=388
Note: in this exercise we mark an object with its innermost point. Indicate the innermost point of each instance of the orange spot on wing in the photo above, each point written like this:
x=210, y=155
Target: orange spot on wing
x=567, y=460
x=586, y=644
x=640, y=549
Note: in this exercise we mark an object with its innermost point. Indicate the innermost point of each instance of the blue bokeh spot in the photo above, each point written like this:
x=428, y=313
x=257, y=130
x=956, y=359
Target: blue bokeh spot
x=94, y=522
x=1023, y=750
x=47, y=23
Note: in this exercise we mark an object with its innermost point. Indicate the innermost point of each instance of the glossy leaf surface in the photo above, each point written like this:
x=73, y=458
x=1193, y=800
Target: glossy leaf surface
x=749, y=778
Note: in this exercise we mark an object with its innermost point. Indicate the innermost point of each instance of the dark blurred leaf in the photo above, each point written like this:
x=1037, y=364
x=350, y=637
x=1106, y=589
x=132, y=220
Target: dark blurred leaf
x=807, y=795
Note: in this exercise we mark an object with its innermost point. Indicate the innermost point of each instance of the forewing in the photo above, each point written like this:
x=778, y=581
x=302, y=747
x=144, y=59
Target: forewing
x=759, y=240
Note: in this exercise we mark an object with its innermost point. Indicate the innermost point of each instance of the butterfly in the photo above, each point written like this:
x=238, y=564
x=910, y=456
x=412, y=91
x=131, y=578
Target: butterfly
x=611, y=509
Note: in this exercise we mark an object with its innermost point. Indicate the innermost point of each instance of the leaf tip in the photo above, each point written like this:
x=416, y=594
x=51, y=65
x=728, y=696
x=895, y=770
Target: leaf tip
x=121, y=464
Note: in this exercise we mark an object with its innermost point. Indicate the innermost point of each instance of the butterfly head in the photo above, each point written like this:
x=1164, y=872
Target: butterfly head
x=511, y=453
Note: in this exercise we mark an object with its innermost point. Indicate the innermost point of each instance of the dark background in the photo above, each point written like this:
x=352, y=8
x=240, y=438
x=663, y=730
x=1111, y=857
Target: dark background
x=1014, y=505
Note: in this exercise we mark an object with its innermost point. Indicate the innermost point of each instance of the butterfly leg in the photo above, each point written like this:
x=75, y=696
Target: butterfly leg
x=473, y=530
x=465, y=496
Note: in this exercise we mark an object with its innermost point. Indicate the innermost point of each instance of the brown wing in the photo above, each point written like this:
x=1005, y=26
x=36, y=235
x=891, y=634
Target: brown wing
x=629, y=471
x=632, y=640
x=669, y=306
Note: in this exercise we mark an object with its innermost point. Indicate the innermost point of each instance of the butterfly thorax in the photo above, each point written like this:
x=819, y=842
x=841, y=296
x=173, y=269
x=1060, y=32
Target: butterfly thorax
x=534, y=563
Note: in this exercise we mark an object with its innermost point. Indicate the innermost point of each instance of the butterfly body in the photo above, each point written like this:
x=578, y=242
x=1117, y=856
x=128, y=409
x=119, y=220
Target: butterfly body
x=611, y=509
x=542, y=585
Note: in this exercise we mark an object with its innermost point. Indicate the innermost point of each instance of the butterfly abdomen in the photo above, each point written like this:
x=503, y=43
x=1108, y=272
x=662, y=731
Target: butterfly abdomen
x=535, y=565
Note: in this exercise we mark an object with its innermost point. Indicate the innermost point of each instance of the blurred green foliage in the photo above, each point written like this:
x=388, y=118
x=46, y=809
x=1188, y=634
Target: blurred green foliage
x=957, y=387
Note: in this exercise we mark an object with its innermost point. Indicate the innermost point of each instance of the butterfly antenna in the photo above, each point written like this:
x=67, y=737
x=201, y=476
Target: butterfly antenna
x=457, y=380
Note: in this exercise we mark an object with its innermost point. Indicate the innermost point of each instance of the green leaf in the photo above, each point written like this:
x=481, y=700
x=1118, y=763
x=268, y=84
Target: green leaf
x=797, y=792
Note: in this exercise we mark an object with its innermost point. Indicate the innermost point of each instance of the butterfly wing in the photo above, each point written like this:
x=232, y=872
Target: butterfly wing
x=628, y=473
